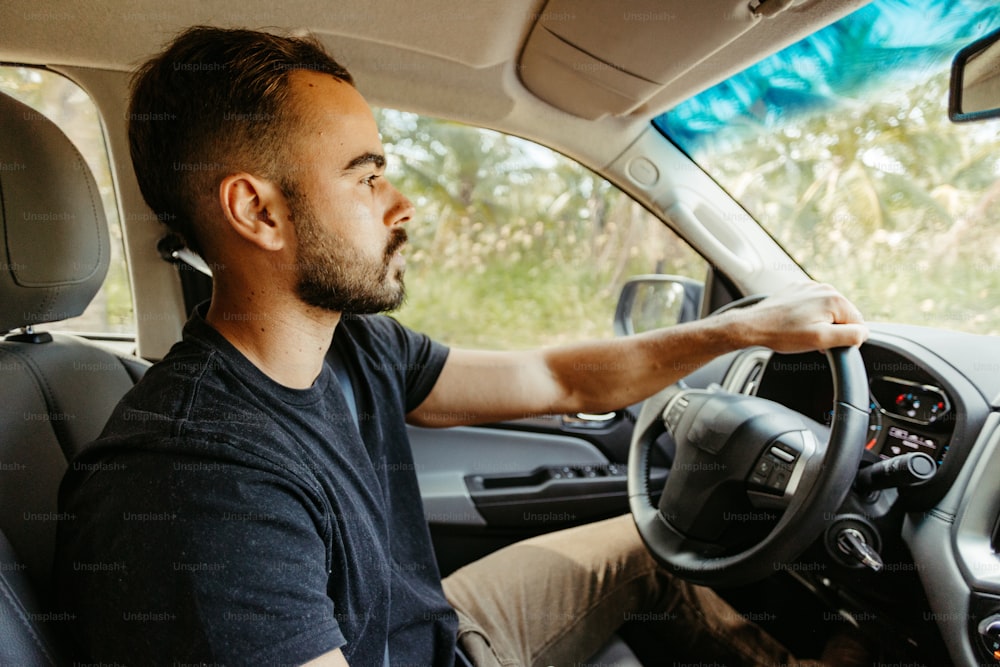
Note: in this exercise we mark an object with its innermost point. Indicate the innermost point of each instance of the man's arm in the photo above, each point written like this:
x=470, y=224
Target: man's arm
x=599, y=376
x=332, y=659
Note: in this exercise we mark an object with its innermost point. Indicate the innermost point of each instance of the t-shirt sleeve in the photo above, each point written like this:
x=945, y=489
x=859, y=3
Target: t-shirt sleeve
x=424, y=365
x=204, y=562
x=417, y=358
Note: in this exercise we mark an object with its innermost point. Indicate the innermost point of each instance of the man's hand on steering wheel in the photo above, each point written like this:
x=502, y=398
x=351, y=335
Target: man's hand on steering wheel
x=800, y=318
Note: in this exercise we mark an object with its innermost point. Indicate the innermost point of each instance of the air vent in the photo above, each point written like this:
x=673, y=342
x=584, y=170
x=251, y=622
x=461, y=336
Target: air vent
x=753, y=379
x=747, y=373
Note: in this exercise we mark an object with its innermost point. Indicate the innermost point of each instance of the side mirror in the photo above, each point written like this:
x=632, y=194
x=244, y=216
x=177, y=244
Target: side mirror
x=975, y=81
x=656, y=301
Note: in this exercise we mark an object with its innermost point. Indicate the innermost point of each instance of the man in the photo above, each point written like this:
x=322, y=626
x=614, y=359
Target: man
x=255, y=501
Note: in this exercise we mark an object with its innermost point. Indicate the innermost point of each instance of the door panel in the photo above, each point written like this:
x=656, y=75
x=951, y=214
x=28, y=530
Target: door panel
x=446, y=458
x=486, y=487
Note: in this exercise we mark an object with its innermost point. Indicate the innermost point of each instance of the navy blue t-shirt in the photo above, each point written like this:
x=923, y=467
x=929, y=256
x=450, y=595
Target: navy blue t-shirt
x=223, y=518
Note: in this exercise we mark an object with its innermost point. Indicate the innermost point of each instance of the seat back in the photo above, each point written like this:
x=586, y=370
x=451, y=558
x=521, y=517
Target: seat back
x=56, y=390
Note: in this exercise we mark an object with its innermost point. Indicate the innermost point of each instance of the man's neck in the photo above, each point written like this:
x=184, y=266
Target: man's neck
x=284, y=338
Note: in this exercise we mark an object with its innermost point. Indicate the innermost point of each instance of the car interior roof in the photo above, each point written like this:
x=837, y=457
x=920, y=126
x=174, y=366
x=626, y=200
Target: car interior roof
x=468, y=61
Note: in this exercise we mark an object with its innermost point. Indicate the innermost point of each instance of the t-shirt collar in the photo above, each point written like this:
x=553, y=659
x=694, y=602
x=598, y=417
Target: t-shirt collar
x=198, y=330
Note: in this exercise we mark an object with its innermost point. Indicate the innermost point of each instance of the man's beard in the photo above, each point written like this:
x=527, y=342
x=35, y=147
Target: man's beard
x=332, y=277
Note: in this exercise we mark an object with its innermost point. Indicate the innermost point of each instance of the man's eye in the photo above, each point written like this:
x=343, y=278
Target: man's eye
x=370, y=180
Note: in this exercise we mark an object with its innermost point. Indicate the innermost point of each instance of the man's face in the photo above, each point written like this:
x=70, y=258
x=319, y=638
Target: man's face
x=334, y=276
x=348, y=218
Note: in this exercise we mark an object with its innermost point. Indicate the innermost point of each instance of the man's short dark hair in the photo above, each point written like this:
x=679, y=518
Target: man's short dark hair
x=211, y=104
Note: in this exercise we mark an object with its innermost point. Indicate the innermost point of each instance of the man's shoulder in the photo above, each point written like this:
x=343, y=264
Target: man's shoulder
x=172, y=388
x=385, y=338
x=189, y=403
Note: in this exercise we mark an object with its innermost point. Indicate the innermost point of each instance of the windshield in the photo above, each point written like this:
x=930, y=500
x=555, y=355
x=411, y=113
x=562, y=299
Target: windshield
x=840, y=146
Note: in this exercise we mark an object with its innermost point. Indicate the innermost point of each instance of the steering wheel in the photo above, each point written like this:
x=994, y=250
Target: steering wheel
x=751, y=485
x=743, y=302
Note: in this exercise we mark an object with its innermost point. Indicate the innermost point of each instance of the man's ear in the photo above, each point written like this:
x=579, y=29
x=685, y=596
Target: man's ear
x=257, y=210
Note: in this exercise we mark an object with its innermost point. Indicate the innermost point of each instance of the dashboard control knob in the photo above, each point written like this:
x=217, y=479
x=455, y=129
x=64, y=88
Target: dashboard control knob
x=904, y=470
x=852, y=542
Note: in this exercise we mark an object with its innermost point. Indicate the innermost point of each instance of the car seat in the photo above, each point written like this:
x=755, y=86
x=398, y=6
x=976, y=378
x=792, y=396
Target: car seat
x=56, y=390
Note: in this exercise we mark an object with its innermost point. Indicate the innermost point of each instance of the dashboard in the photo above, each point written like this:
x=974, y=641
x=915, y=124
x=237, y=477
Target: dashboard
x=931, y=392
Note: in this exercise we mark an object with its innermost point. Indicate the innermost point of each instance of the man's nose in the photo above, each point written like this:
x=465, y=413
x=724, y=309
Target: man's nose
x=401, y=211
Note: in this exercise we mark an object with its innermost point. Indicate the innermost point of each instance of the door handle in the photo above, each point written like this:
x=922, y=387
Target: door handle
x=588, y=420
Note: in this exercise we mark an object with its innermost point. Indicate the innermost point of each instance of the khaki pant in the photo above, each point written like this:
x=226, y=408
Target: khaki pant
x=556, y=599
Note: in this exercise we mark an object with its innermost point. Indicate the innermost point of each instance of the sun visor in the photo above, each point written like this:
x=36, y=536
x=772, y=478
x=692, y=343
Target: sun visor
x=592, y=58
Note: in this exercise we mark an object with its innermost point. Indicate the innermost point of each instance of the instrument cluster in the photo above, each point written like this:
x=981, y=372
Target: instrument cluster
x=908, y=416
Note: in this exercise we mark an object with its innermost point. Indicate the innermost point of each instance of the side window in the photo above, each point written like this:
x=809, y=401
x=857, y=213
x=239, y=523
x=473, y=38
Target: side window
x=514, y=245
x=69, y=107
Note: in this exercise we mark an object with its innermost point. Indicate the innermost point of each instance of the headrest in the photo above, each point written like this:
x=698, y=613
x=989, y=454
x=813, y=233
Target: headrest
x=54, y=247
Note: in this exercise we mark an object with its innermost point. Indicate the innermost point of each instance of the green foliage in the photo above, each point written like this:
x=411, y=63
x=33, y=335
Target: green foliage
x=889, y=201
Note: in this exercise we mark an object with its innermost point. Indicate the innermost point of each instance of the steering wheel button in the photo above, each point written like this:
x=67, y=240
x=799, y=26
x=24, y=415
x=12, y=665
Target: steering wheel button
x=785, y=456
x=764, y=467
x=778, y=480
